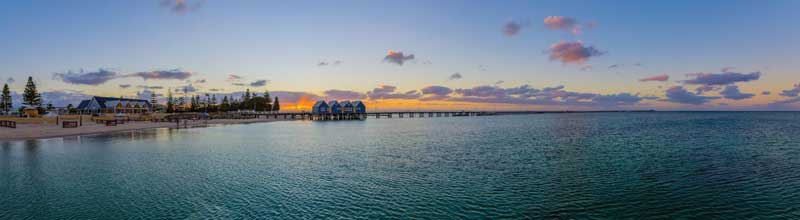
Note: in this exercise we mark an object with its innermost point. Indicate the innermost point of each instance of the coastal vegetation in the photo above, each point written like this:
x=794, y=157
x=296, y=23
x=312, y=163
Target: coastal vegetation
x=249, y=101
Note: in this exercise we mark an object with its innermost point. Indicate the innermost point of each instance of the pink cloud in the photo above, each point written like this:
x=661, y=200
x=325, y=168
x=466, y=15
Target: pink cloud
x=659, y=78
x=572, y=52
x=565, y=24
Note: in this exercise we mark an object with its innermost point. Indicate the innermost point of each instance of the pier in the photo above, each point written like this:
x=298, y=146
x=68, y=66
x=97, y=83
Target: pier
x=404, y=114
x=363, y=116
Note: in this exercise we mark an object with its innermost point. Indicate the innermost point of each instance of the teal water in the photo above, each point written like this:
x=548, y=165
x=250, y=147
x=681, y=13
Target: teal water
x=550, y=166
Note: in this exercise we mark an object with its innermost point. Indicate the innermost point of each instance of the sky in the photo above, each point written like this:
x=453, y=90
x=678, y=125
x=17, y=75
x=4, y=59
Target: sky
x=457, y=55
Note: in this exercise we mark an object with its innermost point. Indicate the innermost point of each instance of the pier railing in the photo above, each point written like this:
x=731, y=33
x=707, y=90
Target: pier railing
x=362, y=116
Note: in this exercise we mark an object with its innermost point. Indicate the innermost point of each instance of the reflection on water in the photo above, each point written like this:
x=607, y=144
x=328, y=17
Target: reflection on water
x=559, y=166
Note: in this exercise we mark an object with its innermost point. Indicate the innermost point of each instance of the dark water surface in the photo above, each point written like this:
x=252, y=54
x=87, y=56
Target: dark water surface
x=552, y=166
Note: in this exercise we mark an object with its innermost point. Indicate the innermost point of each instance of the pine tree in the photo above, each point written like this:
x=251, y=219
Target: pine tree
x=192, y=104
x=276, y=106
x=31, y=97
x=226, y=104
x=170, y=101
x=246, y=100
x=5, y=100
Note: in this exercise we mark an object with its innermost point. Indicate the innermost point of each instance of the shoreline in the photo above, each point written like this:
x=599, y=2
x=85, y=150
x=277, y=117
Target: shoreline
x=47, y=131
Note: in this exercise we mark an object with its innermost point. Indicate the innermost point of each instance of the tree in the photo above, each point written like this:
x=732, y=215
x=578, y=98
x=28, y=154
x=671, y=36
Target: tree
x=246, y=100
x=170, y=101
x=5, y=100
x=276, y=106
x=71, y=109
x=213, y=103
x=31, y=97
x=181, y=104
x=226, y=104
x=268, y=102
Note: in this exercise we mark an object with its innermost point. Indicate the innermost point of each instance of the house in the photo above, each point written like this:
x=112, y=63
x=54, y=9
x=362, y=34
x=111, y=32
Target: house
x=336, y=108
x=320, y=107
x=359, y=107
x=347, y=107
x=99, y=104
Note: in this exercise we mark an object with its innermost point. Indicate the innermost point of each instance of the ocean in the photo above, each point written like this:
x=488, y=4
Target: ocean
x=648, y=165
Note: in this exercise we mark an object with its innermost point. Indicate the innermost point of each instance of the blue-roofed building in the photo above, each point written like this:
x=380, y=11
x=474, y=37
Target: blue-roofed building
x=114, y=105
x=347, y=107
x=359, y=107
x=320, y=107
x=336, y=108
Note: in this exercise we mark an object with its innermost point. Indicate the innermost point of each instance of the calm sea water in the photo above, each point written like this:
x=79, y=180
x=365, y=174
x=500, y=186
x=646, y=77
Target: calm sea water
x=551, y=166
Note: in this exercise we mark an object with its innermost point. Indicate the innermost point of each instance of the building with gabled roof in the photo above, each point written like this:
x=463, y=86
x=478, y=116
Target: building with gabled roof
x=320, y=107
x=359, y=107
x=99, y=104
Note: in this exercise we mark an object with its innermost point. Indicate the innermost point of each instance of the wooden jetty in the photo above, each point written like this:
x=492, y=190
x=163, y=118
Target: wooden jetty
x=362, y=116
x=402, y=114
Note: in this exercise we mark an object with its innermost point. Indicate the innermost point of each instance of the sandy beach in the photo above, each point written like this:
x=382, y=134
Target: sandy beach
x=51, y=130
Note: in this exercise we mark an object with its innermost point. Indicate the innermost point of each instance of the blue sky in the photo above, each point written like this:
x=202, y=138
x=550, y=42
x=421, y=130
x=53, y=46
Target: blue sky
x=283, y=42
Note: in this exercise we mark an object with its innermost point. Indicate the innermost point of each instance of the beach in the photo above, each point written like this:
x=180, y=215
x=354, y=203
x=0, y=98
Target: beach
x=51, y=130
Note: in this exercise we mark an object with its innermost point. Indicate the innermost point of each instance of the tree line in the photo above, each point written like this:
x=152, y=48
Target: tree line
x=210, y=103
x=196, y=103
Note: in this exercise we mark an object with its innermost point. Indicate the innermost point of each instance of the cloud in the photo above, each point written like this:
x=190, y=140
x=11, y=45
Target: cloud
x=565, y=24
x=618, y=99
x=513, y=27
x=436, y=90
x=572, y=52
x=705, y=88
x=678, y=94
x=200, y=81
x=724, y=78
x=659, y=78
x=232, y=77
x=397, y=57
x=344, y=94
x=615, y=66
x=259, y=83
x=186, y=89
x=10, y=80
x=163, y=74
x=388, y=92
x=215, y=90
x=124, y=86
x=64, y=97
x=455, y=76
x=325, y=63
x=528, y=95
x=146, y=94
x=499, y=82
x=436, y=93
x=150, y=87
x=732, y=92
x=182, y=6
x=86, y=78
x=483, y=92
x=766, y=93
x=785, y=102
x=794, y=92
